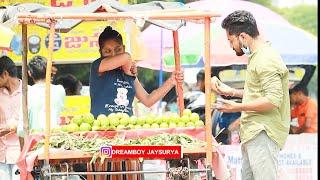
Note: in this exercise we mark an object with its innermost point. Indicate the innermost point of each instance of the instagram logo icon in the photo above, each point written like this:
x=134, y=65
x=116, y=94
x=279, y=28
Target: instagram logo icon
x=106, y=151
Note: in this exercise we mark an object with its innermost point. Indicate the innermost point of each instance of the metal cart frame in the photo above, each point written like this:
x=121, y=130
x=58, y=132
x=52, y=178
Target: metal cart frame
x=51, y=19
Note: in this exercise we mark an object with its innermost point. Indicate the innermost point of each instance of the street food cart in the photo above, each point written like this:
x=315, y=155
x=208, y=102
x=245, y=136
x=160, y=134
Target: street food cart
x=51, y=19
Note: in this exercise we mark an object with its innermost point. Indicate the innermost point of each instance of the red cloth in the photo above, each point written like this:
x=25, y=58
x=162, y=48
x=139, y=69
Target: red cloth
x=218, y=164
x=29, y=143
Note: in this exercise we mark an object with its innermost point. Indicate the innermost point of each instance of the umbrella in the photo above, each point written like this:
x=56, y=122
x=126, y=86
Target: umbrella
x=302, y=49
x=271, y=25
x=151, y=37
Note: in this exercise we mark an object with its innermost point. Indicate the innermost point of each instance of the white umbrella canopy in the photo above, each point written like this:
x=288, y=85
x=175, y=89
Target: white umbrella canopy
x=8, y=15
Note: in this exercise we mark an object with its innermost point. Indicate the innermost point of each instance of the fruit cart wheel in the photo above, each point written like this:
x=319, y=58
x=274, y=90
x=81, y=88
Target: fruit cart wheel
x=209, y=173
x=215, y=122
x=36, y=173
x=43, y=176
x=42, y=171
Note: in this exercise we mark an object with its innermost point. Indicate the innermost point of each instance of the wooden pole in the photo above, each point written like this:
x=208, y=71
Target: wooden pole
x=48, y=84
x=178, y=68
x=150, y=15
x=207, y=71
x=25, y=81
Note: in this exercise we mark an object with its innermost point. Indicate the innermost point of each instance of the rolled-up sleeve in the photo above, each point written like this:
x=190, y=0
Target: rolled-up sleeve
x=270, y=78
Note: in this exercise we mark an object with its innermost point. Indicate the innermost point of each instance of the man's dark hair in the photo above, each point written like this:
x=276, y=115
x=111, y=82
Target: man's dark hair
x=240, y=21
x=200, y=75
x=6, y=64
x=109, y=34
x=37, y=67
x=299, y=88
x=70, y=83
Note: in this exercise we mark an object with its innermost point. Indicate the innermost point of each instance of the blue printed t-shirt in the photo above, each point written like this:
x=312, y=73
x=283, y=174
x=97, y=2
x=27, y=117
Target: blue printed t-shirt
x=111, y=92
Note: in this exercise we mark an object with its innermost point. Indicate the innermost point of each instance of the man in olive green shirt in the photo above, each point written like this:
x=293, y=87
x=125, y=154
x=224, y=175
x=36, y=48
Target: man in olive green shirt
x=265, y=120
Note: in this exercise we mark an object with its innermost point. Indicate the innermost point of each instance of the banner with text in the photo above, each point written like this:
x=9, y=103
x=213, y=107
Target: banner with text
x=78, y=45
x=297, y=160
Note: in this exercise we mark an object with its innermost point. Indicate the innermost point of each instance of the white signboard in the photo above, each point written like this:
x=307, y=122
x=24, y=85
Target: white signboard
x=297, y=160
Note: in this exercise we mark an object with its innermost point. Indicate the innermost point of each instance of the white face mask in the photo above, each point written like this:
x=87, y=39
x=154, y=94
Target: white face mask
x=245, y=48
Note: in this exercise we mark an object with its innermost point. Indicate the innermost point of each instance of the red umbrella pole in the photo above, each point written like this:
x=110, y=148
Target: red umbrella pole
x=178, y=68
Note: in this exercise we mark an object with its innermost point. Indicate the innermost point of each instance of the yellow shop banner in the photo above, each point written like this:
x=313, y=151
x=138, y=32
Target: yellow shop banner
x=78, y=45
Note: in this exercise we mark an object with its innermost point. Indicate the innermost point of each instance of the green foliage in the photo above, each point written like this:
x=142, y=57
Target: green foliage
x=266, y=3
x=146, y=75
x=150, y=77
x=302, y=16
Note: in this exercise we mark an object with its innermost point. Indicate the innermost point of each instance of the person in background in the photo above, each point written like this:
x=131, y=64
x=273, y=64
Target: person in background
x=304, y=109
x=200, y=81
x=195, y=99
x=10, y=112
x=54, y=71
x=265, y=106
x=36, y=97
x=71, y=84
